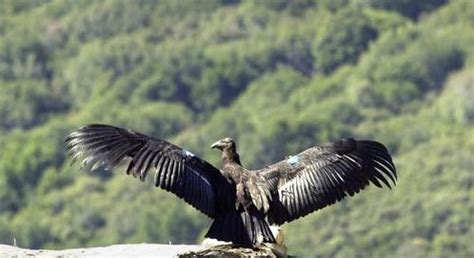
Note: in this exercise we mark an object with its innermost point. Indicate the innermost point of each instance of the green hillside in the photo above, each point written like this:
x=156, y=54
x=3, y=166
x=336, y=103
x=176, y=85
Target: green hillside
x=278, y=76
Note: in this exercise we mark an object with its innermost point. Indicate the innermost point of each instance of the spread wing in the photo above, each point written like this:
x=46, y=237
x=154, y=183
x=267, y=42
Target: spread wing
x=175, y=169
x=323, y=175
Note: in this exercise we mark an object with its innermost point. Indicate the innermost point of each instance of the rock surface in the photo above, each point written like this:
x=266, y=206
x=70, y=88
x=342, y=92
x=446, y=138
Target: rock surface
x=141, y=250
x=235, y=252
x=127, y=250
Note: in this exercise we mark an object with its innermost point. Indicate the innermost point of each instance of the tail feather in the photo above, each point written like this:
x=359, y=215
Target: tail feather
x=244, y=229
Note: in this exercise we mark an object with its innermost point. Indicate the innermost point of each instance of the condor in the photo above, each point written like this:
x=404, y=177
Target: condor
x=242, y=202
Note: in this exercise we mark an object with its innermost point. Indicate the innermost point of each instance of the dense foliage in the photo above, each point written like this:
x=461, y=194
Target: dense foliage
x=279, y=76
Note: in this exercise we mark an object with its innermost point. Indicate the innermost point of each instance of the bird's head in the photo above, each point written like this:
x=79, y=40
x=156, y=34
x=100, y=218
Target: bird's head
x=224, y=144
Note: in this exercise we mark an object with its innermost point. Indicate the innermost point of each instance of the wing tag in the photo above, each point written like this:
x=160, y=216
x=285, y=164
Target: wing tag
x=188, y=153
x=292, y=160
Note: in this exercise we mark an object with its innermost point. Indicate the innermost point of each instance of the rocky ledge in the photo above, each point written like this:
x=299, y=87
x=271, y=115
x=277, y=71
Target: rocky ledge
x=142, y=250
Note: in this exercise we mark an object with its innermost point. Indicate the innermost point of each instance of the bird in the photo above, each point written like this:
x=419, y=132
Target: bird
x=242, y=203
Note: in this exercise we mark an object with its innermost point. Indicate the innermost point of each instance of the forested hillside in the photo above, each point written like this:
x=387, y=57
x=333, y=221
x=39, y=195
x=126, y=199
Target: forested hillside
x=278, y=76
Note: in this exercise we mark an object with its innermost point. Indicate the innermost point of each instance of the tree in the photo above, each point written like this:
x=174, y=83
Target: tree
x=345, y=38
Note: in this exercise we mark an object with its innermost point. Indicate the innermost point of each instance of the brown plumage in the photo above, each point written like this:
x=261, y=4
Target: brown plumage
x=242, y=202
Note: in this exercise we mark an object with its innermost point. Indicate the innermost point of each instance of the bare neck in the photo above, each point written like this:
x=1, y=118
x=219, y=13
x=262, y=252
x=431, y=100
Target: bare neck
x=230, y=156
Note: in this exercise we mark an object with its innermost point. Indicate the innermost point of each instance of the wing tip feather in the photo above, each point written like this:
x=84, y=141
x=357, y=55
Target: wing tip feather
x=380, y=162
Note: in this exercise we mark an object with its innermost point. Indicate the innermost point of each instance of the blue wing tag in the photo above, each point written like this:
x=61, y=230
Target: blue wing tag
x=188, y=153
x=292, y=160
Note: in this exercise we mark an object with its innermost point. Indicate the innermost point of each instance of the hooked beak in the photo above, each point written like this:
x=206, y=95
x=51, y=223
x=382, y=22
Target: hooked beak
x=217, y=145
